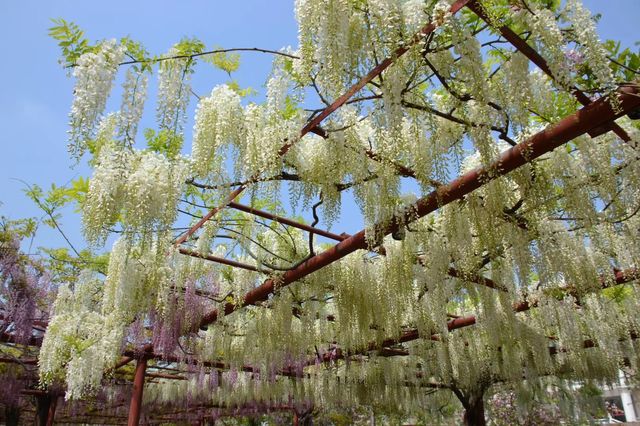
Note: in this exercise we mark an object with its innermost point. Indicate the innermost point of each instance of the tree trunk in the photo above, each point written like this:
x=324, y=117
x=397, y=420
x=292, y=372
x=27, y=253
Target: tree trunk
x=43, y=404
x=302, y=419
x=473, y=403
x=474, y=411
x=306, y=420
x=52, y=410
x=12, y=414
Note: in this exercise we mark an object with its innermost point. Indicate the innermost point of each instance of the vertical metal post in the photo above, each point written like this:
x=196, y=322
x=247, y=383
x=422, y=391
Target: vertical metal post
x=136, y=396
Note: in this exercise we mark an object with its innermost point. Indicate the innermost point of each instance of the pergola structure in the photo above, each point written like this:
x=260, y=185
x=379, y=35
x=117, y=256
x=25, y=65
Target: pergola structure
x=595, y=118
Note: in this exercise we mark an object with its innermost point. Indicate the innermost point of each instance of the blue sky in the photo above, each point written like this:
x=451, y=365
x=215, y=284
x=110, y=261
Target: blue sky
x=36, y=93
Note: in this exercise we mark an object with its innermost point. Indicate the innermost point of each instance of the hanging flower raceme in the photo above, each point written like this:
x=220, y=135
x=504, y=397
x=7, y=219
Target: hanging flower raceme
x=545, y=28
x=174, y=91
x=24, y=285
x=133, y=98
x=89, y=323
x=139, y=189
x=594, y=52
x=219, y=122
x=94, y=73
x=152, y=190
x=107, y=192
x=80, y=342
x=327, y=31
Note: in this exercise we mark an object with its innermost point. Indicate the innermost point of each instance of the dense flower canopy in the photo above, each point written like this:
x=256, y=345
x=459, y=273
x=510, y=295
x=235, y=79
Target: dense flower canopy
x=503, y=285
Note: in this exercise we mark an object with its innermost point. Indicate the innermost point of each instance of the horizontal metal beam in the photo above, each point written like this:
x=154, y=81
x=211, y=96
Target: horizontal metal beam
x=218, y=365
x=577, y=124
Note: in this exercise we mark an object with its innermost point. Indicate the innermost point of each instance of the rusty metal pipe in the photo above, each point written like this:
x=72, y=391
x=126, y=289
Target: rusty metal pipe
x=593, y=115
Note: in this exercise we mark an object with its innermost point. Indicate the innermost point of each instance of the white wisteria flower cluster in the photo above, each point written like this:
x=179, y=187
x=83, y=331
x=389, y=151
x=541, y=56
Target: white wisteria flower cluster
x=594, y=53
x=94, y=73
x=174, y=91
x=253, y=134
x=80, y=342
x=133, y=99
x=140, y=189
x=547, y=31
x=219, y=122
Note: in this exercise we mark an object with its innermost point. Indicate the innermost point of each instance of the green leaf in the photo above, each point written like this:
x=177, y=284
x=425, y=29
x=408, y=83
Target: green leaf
x=249, y=91
x=78, y=191
x=291, y=108
x=165, y=141
x=137, y=52
x=33, y=192
x=70, y=39
x=618, y=293
x=225, y=61
x=20, y=228
x=189, y=46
